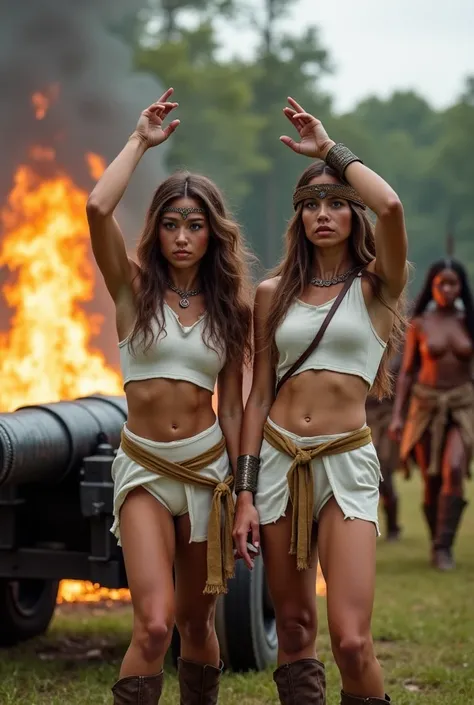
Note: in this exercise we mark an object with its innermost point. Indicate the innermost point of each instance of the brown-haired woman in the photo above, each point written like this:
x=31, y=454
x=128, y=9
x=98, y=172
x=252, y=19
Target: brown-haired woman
x=316, y=459
x=436, y=379
x=183, y=319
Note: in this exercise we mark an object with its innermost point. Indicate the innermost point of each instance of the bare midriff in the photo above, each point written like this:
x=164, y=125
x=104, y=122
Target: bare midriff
x=319, y=403
x=167, y=410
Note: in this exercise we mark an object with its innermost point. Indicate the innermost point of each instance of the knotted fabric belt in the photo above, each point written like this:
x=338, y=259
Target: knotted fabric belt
x=220, y=557
x=301, y=483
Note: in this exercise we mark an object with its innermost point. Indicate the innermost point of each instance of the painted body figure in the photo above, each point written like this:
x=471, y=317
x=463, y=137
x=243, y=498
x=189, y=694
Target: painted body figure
x=308, y=474
x=436, y=379
x=183, y=319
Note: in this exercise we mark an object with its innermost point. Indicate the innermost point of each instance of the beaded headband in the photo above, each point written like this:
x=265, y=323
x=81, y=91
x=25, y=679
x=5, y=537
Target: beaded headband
x=183, y=211
x=323, y=190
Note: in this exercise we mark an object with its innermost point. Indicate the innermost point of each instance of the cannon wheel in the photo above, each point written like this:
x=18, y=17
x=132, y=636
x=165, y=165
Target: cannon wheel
x=245, y=622
x=26, y=608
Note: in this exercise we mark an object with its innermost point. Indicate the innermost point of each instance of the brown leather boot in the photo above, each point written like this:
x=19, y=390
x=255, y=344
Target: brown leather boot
x=431, y=515
x=450, y=509
x=198, y=684
x=138, y=690
x=302, y=682
x=347, y=699
x=390, y=505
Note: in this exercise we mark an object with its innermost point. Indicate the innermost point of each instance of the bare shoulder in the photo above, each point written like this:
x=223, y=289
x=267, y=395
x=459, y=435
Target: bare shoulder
x=264, y=293
x=268, y=287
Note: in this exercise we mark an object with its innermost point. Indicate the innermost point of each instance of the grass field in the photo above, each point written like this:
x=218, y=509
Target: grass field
x=423, y=627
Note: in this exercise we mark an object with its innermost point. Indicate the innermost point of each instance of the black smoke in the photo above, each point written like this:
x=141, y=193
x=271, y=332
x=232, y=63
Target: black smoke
x=70, y=43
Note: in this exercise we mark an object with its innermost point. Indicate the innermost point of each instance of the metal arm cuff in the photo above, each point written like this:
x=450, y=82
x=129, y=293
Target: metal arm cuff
x=339, y=157
x=247, y=474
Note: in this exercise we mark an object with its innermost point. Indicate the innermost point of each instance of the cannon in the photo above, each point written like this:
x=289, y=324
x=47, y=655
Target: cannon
x=56, y=500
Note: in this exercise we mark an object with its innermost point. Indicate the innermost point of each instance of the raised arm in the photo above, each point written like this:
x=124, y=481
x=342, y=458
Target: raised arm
x=108, y=244
x=405, y=379
x=390, y=233
x=256, y=412
x=391, y=244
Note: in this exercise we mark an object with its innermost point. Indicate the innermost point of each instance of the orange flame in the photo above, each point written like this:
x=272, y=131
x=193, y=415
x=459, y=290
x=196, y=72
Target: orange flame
x=85, y=591
x=46, y=355
x=320, y=583
x=42, y=101
x=96, y=165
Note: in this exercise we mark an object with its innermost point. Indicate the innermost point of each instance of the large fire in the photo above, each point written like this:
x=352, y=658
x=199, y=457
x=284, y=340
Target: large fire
x=47, y=354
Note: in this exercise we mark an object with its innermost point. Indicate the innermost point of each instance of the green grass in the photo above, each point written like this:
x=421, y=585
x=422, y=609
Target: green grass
x=423, y=628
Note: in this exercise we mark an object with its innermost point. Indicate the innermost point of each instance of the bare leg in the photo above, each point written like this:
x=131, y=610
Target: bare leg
x=293, y=592
x=148, y=541
x=195, y=612
x=454, y=464
x=300, y=677
x=199, y=664
x=347, y=556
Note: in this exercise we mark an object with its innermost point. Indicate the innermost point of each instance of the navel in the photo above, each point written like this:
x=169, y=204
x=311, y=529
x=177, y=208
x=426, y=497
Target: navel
x=307, y=419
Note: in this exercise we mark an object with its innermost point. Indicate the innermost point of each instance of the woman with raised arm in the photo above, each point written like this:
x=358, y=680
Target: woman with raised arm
x=436, y=379
x=183, y=319
x=307, y=470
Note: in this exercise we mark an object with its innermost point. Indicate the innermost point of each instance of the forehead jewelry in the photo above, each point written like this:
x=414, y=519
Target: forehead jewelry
x=184, y=212
x=327, y=190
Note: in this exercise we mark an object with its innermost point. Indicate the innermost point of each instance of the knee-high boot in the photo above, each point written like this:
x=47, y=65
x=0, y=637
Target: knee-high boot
x=198, y=684
x=390, y=505
x=450, y=509
x=302, y=682
x=138, y=690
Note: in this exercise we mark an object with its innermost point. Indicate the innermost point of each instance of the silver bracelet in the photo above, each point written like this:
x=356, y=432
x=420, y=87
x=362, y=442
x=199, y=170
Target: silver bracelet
x=339, y=157
x=247, y=474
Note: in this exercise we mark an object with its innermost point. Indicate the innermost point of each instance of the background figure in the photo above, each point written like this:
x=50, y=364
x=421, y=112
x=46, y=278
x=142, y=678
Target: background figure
x=436, y=378
x=379, y=416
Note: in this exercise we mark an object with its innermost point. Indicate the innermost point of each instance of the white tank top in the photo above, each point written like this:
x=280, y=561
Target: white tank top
x=179, y=354
x=349, y=345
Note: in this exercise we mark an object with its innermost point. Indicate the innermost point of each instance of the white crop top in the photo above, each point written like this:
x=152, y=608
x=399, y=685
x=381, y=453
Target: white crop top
x=349, y=344
x=179, y=354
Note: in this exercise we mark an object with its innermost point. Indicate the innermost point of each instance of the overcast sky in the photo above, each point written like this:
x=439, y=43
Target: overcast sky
x=378, y=46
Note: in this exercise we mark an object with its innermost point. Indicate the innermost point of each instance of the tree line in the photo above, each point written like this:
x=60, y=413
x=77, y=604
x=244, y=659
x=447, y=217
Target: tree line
x=231, y=121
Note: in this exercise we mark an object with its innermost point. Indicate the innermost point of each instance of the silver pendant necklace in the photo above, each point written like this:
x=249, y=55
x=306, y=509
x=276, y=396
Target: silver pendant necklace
x=335, y=280
x=185, y=295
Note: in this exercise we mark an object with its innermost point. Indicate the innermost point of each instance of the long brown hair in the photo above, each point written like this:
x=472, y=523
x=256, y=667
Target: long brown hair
x=224, y=271
x=295, y=272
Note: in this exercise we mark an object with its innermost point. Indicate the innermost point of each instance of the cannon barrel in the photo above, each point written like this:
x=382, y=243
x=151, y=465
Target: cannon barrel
x=44, y=443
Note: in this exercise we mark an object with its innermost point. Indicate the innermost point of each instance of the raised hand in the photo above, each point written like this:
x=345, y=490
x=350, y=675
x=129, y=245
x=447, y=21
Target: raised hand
x=314, y=140
x=150, y=125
